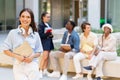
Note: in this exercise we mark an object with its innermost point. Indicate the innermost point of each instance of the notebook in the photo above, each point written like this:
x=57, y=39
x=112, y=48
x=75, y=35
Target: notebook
x=66, y=47
x=48, y=30
x=24, y=49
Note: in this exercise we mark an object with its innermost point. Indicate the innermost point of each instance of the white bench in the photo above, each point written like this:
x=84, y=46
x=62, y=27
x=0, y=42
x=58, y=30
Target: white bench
x=5, y=60
x=110, y=68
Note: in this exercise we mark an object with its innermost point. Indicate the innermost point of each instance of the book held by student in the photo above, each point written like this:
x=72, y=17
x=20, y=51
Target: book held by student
x=48, y=30
x=24, y=49
x=66, y=47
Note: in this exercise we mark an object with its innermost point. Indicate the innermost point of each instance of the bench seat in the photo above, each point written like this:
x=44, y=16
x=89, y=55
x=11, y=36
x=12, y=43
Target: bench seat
x=110, y=68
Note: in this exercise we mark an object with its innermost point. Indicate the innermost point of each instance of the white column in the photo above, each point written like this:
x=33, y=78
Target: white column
x=33, y=4
x=94, y=13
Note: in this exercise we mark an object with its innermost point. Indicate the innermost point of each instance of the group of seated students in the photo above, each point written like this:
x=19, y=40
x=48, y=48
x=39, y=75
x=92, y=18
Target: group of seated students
x=87, y=46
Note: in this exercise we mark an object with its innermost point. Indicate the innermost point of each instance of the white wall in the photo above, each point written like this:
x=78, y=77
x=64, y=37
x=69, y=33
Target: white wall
x=33, y=4
x=94, y=13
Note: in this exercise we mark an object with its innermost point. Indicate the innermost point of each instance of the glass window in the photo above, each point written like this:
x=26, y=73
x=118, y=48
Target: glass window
x=10, y=11
x=45, y=6
x=83, y=10
x=114, y=12
x=7, y=14
x=2, y=14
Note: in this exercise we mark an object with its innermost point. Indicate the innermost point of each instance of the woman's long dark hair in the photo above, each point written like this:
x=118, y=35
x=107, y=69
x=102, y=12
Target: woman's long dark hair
x=32, y=24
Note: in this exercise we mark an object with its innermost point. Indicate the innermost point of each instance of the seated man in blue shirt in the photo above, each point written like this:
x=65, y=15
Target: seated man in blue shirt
x=72, y=38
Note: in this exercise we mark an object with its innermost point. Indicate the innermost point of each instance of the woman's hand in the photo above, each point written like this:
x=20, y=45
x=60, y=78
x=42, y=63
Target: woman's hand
x=90, y=56
x=50, y=35
x=89, y=52
x=20, y=58
x=82, y=51
x=29, y=59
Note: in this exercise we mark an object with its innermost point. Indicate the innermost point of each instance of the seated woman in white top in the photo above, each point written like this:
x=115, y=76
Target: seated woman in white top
x=107, y=51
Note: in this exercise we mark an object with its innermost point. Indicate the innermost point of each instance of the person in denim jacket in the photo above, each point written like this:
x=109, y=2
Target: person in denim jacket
x=70, y=37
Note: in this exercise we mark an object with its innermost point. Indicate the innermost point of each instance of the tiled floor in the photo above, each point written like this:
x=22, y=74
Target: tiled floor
x=7, y=74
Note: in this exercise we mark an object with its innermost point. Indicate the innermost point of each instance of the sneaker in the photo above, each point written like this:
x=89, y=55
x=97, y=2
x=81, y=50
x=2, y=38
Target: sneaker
x=89, y=77
x=45, y=72
x=54, y=74
x=88, y=68
x=78, y=76
x=99, y=78
x=41, y=74
x=63, y=77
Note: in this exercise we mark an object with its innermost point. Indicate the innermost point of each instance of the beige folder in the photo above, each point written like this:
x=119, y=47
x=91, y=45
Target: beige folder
x=24, y=49
x=87, y=48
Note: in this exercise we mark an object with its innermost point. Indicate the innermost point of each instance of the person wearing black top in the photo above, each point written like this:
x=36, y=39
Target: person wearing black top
x=45, y=32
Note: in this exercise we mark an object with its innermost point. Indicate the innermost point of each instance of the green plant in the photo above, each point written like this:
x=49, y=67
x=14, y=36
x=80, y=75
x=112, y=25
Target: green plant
x=118, y=49
x=118, y=52
x=97, y=30
x=116, y=30
x=100, y=30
